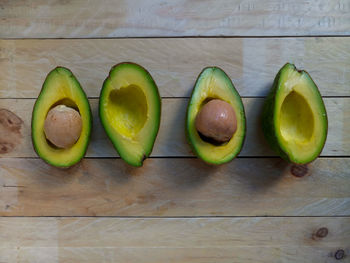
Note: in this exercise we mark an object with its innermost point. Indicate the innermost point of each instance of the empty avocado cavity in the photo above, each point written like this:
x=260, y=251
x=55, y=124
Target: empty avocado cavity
x=297, y=122
x=127, y=110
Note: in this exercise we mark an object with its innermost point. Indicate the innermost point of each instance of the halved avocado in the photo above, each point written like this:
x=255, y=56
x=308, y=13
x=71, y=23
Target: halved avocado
x=294, y=117
x=61, y=87
x=130, y=108
x=213, y=83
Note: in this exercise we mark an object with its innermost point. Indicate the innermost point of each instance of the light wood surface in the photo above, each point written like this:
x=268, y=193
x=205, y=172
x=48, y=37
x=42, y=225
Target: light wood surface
x=172, y=239
x=175, y=208
x=138, y=18
x=252, y=63
x=171, y=140
x=175, y=187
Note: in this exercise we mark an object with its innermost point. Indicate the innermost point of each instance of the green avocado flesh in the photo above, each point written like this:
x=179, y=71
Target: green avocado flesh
x=294, y=117
x=130, y=108
x=61, y=87
x=213, y=83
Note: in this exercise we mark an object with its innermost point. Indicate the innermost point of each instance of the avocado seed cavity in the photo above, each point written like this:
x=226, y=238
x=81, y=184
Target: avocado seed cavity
x=217, y=121
x=63, y=126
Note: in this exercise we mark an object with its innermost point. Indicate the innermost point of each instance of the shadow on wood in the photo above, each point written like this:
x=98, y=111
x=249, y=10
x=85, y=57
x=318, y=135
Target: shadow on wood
x=191, y=176
x=258, y=181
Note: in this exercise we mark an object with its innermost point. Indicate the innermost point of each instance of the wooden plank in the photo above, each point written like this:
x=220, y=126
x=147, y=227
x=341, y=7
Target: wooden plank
x=171, y=140
x=173, y=239
x=252, y=63
x=175, y=187
x=137, y=18
x=259, y=254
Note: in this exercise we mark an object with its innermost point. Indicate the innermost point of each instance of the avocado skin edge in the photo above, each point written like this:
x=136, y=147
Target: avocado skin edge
x=268, y=116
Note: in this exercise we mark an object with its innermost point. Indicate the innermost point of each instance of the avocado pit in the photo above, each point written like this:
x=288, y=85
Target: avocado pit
x=63, y=126
x=216, y=121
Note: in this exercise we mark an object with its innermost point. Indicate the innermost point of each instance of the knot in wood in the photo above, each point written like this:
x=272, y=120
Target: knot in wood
x=339, y=254
x=322, y=232
x=299, y=170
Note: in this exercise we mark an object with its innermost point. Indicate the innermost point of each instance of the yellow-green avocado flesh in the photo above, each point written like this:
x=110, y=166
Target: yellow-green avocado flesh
x=294, y=117
x=61, y=87
x=130, y=108
x=213, y=83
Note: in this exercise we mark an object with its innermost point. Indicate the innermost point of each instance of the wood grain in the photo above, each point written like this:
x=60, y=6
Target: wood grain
x=252, y=63
x=137, y=18
x=172, y=239
x=175, y=187
x=171, y=141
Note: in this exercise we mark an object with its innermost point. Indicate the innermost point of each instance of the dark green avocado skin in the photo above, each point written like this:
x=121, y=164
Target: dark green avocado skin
x=268, y=116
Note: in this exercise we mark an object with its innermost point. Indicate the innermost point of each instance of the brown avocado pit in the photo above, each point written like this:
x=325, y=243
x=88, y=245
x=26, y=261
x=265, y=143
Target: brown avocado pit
x=216, y=122
x=63, y=126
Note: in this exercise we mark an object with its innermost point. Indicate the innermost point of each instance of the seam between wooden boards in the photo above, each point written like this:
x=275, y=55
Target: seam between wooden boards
x=178, y=217
x=179, y=157
x=176, y=37
x=171, y=98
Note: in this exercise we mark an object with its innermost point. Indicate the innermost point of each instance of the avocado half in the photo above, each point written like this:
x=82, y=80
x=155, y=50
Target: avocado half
x=294, y=116
x=61, y=87
x=213, y=83
x=130, y=108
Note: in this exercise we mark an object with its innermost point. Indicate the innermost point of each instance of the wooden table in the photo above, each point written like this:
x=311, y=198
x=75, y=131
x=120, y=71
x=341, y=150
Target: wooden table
x=175, y=208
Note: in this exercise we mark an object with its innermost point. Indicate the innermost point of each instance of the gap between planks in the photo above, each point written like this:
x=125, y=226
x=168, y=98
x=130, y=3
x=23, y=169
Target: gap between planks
x=179, y=98
x=180, y=217
x=176, y=37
